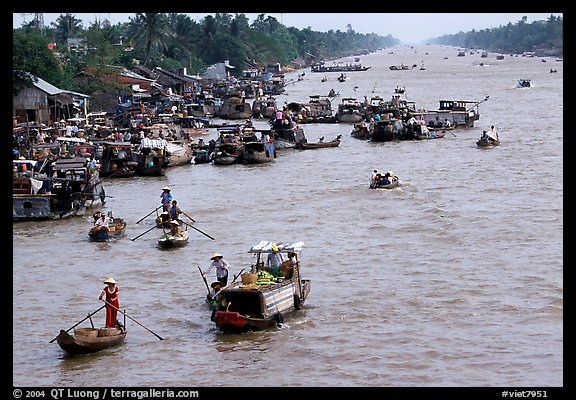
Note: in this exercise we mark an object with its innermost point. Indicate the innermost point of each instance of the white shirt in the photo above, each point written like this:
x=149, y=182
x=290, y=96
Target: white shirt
x=102, y=222
x=221, y=268
x=492, y=134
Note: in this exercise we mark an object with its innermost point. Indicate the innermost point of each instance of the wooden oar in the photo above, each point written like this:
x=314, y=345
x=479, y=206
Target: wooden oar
x=191, y=219
x=203, y=277
x=84, y=319
x=193, y=227
x=126, y=315
x=147, y=215
x=143, y=233
x=237, y=275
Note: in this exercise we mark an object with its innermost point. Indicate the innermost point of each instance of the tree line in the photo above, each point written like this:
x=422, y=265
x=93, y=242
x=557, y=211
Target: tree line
x=172, y=41
x=544, y=37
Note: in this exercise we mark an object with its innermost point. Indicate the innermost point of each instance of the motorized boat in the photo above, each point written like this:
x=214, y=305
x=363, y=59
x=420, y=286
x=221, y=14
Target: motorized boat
x=261, y=300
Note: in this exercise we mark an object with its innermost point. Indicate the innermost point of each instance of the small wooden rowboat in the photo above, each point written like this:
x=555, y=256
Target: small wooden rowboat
x=319, y=145
x=379, y=185
x=168, y=241
x=486, y=143
x=90, y=340
x=115, y=229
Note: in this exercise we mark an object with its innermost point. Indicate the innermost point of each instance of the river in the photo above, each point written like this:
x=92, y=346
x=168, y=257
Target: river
x=453, y=279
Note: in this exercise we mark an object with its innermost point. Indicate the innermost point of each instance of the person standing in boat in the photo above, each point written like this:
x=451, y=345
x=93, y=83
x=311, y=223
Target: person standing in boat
x=274, y=260
x=166, y=198
x=492, y=134
x=111, y=292
x=175, y=211
x=221, y=266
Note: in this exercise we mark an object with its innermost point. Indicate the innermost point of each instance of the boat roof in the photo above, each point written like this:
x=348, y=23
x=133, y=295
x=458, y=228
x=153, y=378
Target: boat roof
x=69, y=163
x=265, y=246
x=71, y=139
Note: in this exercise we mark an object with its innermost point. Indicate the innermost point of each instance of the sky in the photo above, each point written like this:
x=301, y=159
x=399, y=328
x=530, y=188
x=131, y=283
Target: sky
x=407, y=27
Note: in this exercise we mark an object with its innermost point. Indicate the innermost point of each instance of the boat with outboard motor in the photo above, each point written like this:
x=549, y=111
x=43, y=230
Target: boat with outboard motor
x=262, y=300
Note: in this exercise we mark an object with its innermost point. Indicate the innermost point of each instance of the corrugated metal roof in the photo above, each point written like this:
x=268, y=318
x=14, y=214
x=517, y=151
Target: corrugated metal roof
x=52, y=90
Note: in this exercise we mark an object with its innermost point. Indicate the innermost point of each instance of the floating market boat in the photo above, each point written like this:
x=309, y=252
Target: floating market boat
x=261, y=300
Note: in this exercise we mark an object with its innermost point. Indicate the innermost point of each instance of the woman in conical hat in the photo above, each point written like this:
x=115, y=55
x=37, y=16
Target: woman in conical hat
x=111, y=291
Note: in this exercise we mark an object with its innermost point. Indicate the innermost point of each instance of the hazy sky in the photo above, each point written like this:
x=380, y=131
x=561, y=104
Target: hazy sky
x=408, y=27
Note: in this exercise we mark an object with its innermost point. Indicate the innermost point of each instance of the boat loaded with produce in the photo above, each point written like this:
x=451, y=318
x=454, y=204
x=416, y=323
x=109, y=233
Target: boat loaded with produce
x=262, y=299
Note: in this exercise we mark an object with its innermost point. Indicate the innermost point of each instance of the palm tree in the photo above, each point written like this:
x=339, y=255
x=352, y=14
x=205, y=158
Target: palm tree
x=67, y=26
x=153, y=28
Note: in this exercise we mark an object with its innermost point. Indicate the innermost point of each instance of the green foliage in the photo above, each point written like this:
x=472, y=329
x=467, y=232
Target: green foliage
x=31, y=55
x=513, y=38
x=174, y=40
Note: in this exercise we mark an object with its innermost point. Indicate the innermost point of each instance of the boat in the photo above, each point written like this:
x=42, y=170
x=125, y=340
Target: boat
x=151, y=157
x=178, y=153
x=192, y=126
x=349, y=110
x=332, y=93
x=422, y=132
x=229, y=146
x=486, y=143
x=235, y=108
x=228, y=153
x=90, y=340
x=150, y=164
x=484, y=54
x=459, y=113
x=386, y=130
x=499, y=57
x=202, y=156
x=552, y=71
x=342, y=78
x=68, y=188
x=400, y=67
x=258, y=152
x=360, y=131
x=339, y=67
x=524, y=83
x=117, y=160
x=168, y=241
x=116, y=229
x=399, y=90
x=320, y=144
x=287, y=138
x=261, y=301
x=264, y=107
x=379, y=182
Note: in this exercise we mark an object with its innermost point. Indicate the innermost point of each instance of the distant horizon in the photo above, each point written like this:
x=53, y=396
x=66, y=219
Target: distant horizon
x=398, y=25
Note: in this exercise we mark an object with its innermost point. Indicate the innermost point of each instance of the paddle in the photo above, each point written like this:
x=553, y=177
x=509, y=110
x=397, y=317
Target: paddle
x=237, y=275
x=203, y=277
x=147, y=215
x=191, y=219
x=126, y=315
x=89, y=315
x=193, y=227
x=143, y=233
